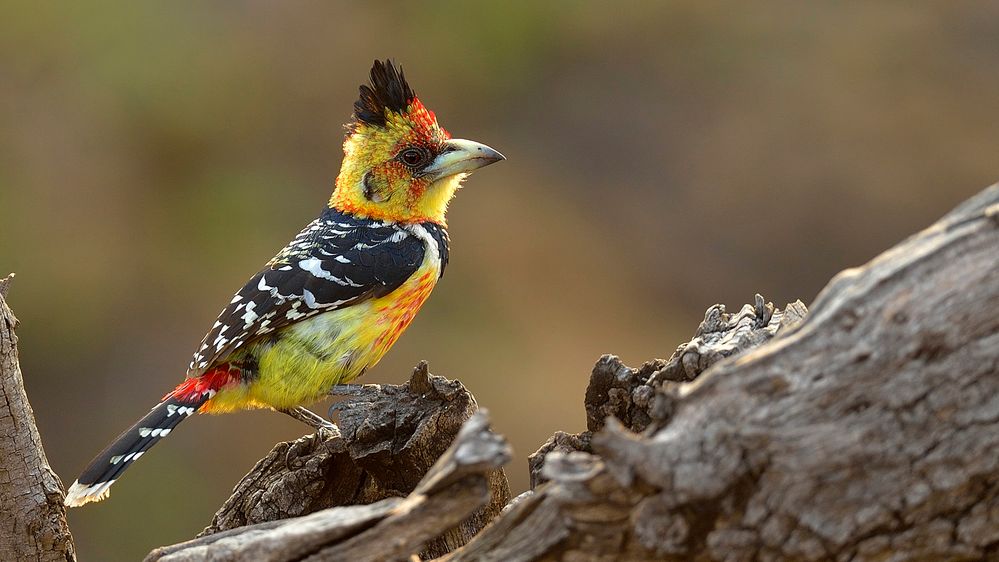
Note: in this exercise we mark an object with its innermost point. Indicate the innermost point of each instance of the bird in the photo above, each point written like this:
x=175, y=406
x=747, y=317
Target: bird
x=331, y=303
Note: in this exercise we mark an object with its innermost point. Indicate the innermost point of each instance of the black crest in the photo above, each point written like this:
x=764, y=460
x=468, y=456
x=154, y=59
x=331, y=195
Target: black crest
x=388, y=90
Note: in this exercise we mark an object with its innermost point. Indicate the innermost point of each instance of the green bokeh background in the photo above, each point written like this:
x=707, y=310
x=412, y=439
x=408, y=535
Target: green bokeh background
x=662, y=157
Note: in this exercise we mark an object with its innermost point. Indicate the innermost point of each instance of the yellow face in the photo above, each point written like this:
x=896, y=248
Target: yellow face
x=404, y=167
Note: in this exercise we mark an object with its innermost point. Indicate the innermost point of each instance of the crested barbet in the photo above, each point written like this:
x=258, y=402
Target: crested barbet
x=330, y=304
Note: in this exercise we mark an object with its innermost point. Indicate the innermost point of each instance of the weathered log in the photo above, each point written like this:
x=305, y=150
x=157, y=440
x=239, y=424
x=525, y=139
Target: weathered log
x=33, y=520
x=868, y=432
x=391, y=529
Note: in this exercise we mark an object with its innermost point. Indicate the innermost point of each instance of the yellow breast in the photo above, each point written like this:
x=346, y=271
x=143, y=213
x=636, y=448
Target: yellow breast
x=335, y=347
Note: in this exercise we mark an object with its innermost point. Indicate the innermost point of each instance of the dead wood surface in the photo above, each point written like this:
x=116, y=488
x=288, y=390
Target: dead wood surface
x=869, y=431
x=32, y=519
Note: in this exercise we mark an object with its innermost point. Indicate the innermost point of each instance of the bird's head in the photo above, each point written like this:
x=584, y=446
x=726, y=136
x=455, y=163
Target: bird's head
x=399, y=164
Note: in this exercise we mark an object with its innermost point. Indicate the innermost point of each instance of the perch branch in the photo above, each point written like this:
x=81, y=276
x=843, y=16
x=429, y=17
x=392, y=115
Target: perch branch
x=33, y=520
x=390, y=529
x=387, y=439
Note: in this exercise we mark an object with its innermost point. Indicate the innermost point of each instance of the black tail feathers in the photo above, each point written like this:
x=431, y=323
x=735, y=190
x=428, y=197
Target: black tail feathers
x=95, y=482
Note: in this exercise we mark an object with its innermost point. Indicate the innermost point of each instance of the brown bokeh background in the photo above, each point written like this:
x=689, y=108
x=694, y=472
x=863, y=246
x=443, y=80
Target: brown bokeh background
x=662, y=157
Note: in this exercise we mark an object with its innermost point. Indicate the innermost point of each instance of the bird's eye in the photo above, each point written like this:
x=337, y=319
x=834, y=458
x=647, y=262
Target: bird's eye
x=414, y=157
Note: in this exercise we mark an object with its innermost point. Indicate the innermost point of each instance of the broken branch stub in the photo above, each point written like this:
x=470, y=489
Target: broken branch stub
x=388, y=438
x=646, y=397
x=456, y=486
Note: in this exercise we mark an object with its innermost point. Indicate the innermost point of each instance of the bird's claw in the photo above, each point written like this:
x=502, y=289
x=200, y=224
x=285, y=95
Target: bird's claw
x=311, y=419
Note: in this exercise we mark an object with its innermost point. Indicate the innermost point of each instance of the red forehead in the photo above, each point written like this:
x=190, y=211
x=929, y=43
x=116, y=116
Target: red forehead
x=424, y=122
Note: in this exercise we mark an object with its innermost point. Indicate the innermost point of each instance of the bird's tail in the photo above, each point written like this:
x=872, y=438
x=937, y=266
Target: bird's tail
x=94, y=484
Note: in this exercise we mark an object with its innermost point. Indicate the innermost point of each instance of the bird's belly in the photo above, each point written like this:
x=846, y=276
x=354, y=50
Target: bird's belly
x=310, y=357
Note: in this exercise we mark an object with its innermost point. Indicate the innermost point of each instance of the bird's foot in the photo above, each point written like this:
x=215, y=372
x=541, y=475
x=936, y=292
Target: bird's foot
x=311, y=419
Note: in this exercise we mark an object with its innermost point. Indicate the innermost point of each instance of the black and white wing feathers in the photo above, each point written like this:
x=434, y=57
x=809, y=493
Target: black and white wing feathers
x=336, y=261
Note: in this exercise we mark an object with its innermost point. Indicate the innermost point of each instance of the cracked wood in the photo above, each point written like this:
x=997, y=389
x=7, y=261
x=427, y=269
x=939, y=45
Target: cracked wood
x=33, y=520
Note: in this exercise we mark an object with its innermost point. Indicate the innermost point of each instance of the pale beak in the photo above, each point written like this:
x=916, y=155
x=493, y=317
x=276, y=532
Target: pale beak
x=461, y=156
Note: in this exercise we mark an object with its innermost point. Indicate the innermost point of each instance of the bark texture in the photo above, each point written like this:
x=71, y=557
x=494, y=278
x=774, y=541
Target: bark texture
x=32, y=519
x=647, y=397
x=869, y=431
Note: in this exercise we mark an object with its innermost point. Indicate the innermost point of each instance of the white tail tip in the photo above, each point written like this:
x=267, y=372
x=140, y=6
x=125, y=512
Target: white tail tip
x=80, y=494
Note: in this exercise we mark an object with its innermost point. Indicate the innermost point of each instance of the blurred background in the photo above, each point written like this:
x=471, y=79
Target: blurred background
x=662, y=157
